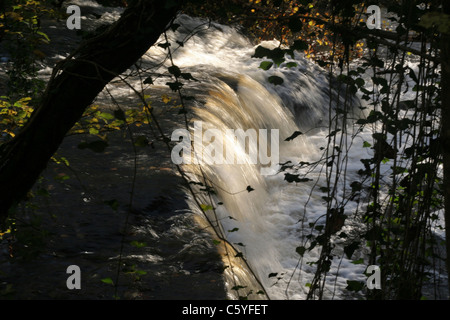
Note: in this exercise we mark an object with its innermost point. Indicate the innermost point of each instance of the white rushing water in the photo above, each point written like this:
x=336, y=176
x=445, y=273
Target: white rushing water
x=234, y=93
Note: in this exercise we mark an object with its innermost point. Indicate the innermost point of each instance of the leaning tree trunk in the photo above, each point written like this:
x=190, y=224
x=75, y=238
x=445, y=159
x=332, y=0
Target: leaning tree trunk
x=76, y=83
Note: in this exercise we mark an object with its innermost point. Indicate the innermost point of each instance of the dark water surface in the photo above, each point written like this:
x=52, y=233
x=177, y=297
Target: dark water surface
x=165, y=255
x=156, y=247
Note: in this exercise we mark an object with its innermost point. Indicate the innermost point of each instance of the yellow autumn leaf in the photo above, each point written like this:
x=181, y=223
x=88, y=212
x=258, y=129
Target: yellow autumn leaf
x=165, y=98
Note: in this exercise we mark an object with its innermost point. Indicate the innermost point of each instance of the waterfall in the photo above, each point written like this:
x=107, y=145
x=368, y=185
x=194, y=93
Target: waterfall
x=260, y=213
x=266, y=221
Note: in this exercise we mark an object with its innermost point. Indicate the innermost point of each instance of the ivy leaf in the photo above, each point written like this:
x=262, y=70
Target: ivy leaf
x=148, y=80
x=354, y=285
x=175, y=86
x=261, y=52
x=138, y=244
x=294, y=178
x=266, y=65
x=275, y=80
x=300, y=250
x=238, y=287
x=206, y=207
x=291, y=65
x=175, y=71
x=293, y=136
x=174, y=26
x=299, y=45
x=107, y=281
x=249, y=189
x=164, y=45
x=351, y=248
x=188, y=76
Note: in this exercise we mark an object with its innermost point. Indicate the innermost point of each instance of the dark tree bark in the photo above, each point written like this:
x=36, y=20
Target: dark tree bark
x=75, y=84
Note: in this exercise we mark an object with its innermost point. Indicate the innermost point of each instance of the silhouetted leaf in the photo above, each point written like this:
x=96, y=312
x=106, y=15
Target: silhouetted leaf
x=300, y=250
x=354, y=285
x=148, y=80
x=175, y=71
x=351, y=248
x=175, y=86
x=293, y=136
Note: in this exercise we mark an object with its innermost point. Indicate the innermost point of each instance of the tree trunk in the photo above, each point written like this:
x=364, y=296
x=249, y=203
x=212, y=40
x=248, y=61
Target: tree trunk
x=75, y=85
x=445, y=134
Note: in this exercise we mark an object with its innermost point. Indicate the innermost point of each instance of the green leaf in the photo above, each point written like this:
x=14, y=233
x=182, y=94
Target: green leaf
x=273, y=274
x=206, y=207
x=93, y=131
x=299, y=45
x=106, y=115
x=141, y=141
x=138, y=244
x=275, y=80
x=354, y=285
x=233, y=230
x=359, y=261
x=291, y=65
x=261, y=52
x=43, y=35
x=108, y=281
x=360, y=82
x=437, y=19
x=366, y=144
x=266, y=65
